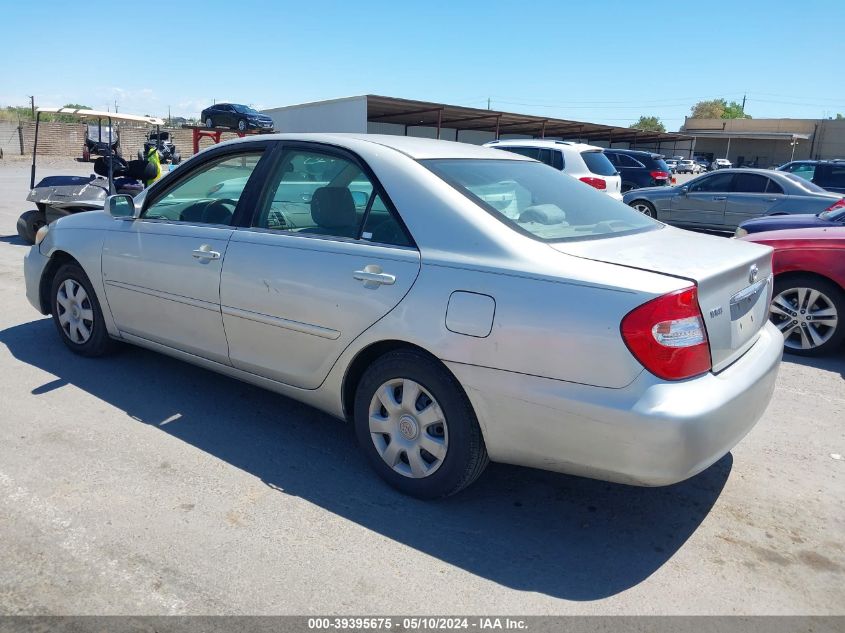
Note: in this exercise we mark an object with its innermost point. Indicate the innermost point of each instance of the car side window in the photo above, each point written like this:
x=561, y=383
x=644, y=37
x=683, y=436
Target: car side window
x=773, y=187
x=528, y=152
x=546, y=156
x=558, y=161
x=749, y=183
x=803, y=170
x=315, y=192
x=613, y=157
x=382, y=226
x=627, y=161
x=714, y=183
x=209, y=194
x=833, y=176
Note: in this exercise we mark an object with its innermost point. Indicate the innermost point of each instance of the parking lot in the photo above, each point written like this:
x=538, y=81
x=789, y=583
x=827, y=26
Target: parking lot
x=137, y=484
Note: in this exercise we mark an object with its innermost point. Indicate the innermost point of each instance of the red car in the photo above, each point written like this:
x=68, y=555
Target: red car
x=809, y=292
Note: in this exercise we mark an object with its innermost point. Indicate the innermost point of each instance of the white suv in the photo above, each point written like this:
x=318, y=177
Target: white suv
x=587, y=163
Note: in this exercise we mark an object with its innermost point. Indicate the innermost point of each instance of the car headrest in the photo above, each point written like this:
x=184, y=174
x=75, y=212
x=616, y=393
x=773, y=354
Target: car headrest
x=333, y=207
x=101, y=166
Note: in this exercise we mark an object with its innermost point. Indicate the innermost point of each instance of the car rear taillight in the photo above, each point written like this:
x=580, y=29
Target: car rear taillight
x=598, y=183
x=839, y=204
x=659, y=175
x=667, y=335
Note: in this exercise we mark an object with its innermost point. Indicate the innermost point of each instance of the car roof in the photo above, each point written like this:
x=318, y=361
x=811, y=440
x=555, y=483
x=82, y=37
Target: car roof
x=414, y=147
x=634, y=152
x=533, y=142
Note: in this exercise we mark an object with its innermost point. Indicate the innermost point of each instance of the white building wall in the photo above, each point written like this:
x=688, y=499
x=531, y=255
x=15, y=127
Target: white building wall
x=337, y=115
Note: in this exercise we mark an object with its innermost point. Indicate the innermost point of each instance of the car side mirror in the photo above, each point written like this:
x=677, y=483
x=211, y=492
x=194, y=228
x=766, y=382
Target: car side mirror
x=360, y=198
x=120, y=206
x=684, y=190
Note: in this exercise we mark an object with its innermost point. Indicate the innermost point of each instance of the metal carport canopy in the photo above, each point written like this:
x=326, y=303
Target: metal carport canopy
x=413, y=113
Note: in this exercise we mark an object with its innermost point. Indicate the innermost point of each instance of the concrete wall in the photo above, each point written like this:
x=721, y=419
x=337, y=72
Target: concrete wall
x=337, y=115
x=67, y=139
x=827, y=139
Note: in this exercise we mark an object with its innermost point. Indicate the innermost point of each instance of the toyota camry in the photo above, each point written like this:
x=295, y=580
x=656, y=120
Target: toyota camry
x=456, y=304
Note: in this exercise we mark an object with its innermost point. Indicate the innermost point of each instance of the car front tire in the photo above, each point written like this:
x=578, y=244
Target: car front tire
x=77, y=314
x=417, y=427
x=209, y=122
x=242, y=125
x=808, y=310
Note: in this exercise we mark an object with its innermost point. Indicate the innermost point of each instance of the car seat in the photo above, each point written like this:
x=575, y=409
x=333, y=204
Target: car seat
x=333, y=212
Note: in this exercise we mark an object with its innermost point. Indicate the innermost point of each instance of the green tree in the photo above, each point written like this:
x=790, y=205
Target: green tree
x=69, y=119
x=712, y=109
x=839, y=116
x=651, y=123
x=718, y=109
x=734, y=110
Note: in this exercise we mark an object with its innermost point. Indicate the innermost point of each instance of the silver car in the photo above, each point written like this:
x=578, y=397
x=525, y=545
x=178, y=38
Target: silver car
x=724, y=199
x=457, y=304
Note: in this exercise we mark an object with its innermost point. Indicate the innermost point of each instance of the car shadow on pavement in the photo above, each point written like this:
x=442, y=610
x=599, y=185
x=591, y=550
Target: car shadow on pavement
x=834, y=362
x=530, y=530
x=13, y=239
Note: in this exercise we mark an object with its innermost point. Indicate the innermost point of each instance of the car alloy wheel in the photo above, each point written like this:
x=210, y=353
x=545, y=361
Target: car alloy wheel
x=807, y=317
x=75, y=312
x=408, y=428
x=209, y=122
x=242, y=125
x=644, y=208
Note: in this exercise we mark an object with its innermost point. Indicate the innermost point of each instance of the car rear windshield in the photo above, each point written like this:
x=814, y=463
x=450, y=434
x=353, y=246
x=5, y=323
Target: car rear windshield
x=598, y=163
x=659, y=164
x=540, y=201
x=804, y=184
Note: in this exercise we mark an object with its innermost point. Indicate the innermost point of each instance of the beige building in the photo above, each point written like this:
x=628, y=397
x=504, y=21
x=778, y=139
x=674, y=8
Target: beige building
x=766, y=142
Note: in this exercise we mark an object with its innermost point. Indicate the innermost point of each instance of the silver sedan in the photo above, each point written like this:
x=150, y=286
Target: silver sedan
x=456, y=304
x=724, y=199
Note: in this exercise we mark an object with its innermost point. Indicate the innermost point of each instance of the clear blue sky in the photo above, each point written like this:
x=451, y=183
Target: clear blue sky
x=606, y=62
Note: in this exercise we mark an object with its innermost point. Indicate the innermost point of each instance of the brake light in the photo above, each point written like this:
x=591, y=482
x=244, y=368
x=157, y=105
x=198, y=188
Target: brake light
x=667, y=335
x=839, y=204
x=598, y=183
x=659, y=175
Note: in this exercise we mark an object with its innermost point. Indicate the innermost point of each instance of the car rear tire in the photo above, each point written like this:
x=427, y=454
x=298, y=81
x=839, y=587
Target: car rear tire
x=417, y=427
x=242, y=125
x=77, y=314
x=646, y=208
x=29, y=223
x=209, y=122
x=808, y=310
x=176, y=159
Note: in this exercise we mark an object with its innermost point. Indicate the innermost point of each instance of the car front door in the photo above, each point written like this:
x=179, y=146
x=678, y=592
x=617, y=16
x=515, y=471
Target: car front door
x=702, y=201
x=162, y=270
x=751, y=196
x=325, y=258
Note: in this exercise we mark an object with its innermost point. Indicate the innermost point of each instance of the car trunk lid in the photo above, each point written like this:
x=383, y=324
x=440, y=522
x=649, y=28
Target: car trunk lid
x=734, y=283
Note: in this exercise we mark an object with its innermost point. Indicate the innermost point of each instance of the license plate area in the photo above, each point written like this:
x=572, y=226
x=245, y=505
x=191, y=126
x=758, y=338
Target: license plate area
x=749, y=311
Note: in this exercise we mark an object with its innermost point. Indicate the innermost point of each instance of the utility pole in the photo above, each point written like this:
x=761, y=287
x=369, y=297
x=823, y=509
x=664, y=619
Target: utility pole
x=169, y=119
x=32, y=103
x=115, y=105
x=743, y=104
x=488, y=103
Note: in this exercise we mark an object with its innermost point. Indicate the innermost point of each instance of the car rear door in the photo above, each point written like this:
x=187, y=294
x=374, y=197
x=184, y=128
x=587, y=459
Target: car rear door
x=751, y=196
x=315, y=268
x=702, y=201
x=162, y=271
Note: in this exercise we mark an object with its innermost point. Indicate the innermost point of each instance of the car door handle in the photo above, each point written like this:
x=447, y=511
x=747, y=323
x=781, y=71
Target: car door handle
x=373, y=277
x=771, y=199
x=205, y=252
x=720, y=197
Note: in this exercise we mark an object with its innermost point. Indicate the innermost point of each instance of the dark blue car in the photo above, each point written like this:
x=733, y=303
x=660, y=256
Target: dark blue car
x=833, y=217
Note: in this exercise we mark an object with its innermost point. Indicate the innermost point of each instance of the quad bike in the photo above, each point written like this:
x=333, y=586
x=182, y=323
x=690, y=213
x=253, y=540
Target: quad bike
x=57, y=196
x=163, y=142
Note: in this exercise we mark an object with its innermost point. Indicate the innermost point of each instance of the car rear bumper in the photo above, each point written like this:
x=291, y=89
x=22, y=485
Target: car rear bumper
x=34, y=264
x=616, y=195
x=650, y=433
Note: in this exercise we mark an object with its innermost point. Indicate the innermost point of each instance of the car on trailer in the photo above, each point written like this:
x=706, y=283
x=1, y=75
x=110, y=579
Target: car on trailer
x=57, y=196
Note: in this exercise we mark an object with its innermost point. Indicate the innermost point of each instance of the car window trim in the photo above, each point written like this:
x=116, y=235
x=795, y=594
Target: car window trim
x=161, y=188
x=327, y=148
